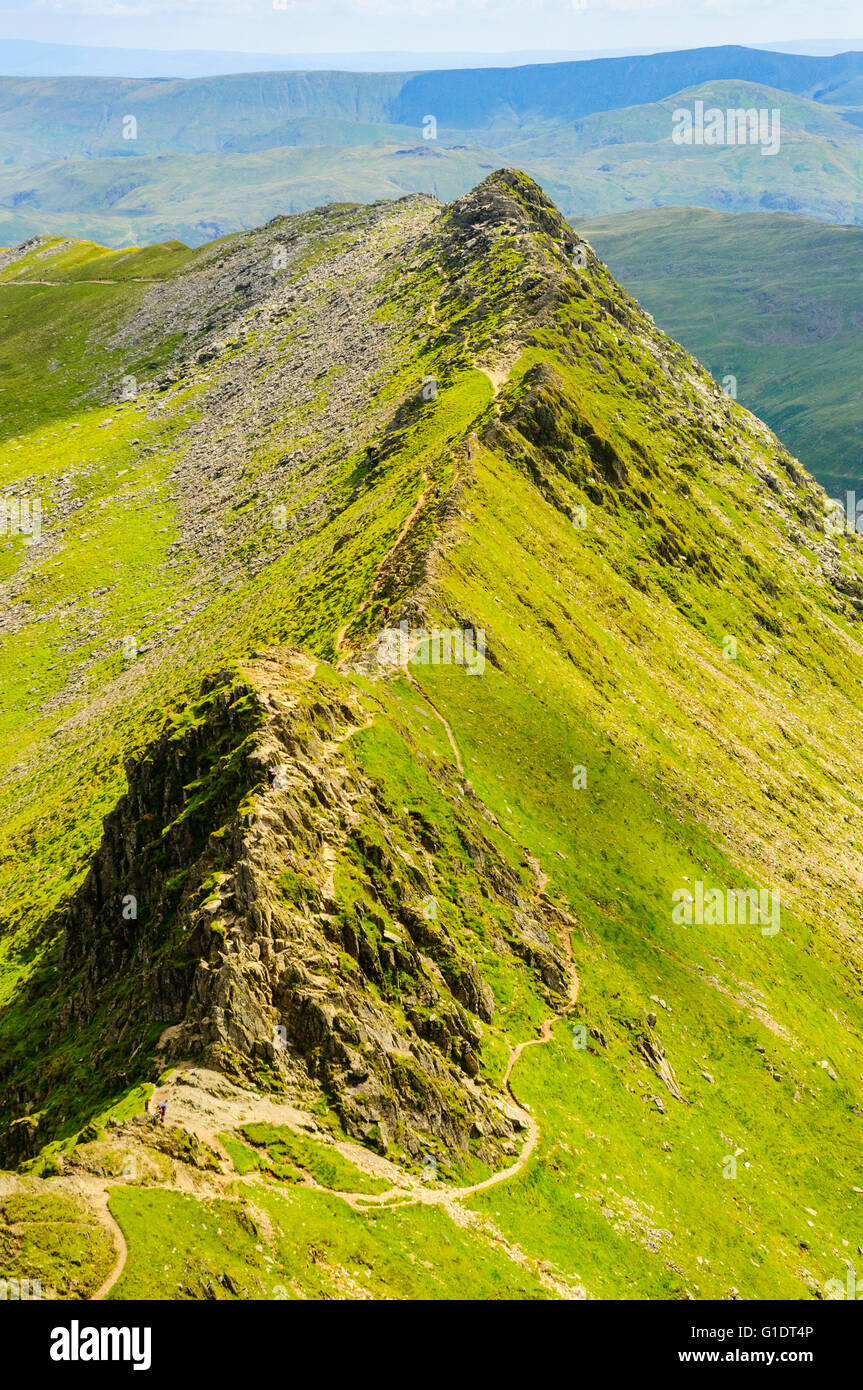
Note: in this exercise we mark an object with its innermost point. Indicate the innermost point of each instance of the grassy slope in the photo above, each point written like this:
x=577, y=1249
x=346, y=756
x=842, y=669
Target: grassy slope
x=606, y=1158
x=627, y=160
x=285, y=1245
x=596, y=673
x=772, y=299
x=607, y=654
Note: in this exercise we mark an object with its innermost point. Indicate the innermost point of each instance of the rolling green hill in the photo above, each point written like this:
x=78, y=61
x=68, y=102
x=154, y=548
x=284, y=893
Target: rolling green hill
x=773, y=300
x=195, y=198
x=44, y=119
x=226, y=169
x=394, y=918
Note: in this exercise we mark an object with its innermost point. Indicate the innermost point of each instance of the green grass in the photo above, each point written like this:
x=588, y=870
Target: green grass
x=288, y=1151
x=55, y=1239
x=244, y=1159
x=304, y=1244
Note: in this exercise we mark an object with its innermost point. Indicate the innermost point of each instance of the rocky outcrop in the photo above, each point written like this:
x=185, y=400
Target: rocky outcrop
x=259, y=905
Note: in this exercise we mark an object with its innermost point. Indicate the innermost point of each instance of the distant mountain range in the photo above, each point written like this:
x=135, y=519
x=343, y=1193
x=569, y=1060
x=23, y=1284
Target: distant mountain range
x=61, y=118
x=26, y=58
x=215, y=157
x=126, y=160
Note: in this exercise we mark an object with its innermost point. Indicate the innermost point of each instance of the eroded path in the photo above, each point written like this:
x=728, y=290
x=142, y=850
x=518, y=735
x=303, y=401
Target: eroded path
x=89, y=280
x=208, y=1110
x=105, y=1217
x=532, y=1127
x=496, y=376
x=207, y=1115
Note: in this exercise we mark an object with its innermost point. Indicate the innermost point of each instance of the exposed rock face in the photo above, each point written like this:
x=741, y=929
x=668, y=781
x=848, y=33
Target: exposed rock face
x=127, y=917
x=654, y=1054
x=301, y=935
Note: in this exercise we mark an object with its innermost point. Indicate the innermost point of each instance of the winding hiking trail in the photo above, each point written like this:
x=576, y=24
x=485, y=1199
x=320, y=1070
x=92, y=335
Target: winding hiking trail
x=532, y=1137
x=415, y=685
x=207, y=1116
x=406, y=1190
x=496, y=378
x=105, y=1217
x=64, y=284
x=495, y=375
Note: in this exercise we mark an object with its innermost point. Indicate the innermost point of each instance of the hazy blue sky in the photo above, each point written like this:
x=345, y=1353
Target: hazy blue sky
x=440, y=25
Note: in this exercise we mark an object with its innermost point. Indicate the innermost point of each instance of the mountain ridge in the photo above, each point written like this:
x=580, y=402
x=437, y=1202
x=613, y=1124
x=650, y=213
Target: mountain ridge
x=468, y=426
